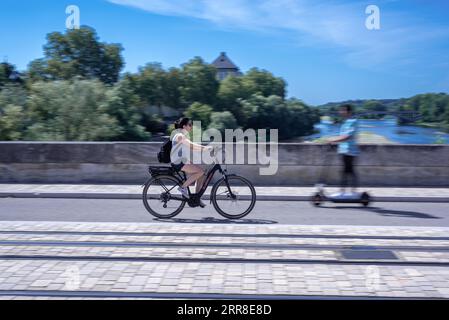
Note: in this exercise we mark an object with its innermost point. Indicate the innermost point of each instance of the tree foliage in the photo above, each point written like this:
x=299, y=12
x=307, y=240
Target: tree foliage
x=78, y=52
x=76, y=110
x=255, y=82
x=292, y=117
x=123, y=104
x=433, y=108
x=13, y=118
x=198, y=83
x=373, y=109
x=264, y=83
x=222, y=121
x=75, y=92
x=69, y=111
x=9, y=74
x=200, y=112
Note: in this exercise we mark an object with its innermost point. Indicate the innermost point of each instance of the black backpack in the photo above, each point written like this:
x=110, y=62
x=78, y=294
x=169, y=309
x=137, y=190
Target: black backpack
x=164, y=155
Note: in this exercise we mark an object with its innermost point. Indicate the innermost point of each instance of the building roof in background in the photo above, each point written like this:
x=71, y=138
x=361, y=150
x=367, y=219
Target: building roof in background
x=223, y=62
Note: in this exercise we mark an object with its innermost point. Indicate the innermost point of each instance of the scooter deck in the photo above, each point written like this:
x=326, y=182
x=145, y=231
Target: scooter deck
x=343, y=200
x=350, y=198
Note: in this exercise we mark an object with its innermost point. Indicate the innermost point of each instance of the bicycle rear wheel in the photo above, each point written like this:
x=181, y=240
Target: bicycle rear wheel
x=235, y=201
x=161, y=197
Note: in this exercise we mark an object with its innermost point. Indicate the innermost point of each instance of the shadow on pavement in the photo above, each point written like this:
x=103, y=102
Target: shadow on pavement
x=390, y=212
x=218, y=221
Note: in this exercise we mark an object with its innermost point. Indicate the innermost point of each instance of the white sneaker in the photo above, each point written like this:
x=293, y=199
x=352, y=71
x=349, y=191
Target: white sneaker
x=184, y=192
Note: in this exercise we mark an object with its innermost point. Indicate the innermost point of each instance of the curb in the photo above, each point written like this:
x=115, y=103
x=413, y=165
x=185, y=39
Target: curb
x=128, y=196
x=197, y=296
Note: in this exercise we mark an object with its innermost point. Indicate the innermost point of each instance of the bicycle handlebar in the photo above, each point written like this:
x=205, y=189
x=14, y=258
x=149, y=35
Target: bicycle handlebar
x=215, y=150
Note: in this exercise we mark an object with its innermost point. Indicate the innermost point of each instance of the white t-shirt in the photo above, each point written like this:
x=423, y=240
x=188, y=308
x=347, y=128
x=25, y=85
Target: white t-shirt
x=179, y=151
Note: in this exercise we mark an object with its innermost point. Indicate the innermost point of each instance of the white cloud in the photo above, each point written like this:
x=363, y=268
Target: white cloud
x=315, y=23
x=170, y=7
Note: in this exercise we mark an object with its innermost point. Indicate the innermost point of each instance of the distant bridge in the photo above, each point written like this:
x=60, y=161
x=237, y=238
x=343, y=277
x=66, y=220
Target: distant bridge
x=408, y=116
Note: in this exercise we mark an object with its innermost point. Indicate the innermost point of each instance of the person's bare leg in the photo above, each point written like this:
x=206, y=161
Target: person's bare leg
x=200, y=183
x=194, y=172
x=191, y=180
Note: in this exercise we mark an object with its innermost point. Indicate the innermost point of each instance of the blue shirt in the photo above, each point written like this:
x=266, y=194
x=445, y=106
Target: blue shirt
x=349, y=147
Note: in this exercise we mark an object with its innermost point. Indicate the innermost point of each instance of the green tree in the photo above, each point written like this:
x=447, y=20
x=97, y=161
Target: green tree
x=13, y=94
x=200, y=112
x=8, y=74
x=5, y=72
x=78, y=52
x=222, y=121
x=124, y=105
x=446, y=112
x=372, y=107
x=70, y=111
x=232, y=90
x=172, y=88
x=292, y=118
x=13, y=117
x=432, y=107
x=148, y=83
x=38, y=71
x=264, y=83
x=157, y=87
x=255, y=82
x=301, y=118
x=198, y=83
x=266, y=112
x=12, y=123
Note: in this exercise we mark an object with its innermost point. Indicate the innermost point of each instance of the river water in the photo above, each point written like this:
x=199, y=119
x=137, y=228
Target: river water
x=388, y=129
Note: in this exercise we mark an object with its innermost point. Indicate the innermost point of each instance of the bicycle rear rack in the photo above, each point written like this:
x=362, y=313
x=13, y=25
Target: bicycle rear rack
x=166, y=171
x=159, y=171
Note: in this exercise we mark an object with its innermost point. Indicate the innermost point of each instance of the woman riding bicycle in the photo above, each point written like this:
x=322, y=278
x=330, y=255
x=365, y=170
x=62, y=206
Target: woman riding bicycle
x=166, y=193
x=180, y=156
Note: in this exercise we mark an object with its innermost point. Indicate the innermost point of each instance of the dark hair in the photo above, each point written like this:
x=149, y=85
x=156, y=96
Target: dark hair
x=179, y=124
x=347, y=107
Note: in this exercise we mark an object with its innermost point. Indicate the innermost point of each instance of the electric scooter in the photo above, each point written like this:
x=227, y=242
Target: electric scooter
x=320, y=196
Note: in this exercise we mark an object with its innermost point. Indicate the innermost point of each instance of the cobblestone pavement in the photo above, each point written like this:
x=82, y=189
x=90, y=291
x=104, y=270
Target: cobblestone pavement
x=264, y=193
x=54, y=260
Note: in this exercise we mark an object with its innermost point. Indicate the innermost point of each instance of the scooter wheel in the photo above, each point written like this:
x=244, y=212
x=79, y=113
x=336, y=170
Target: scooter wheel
x=365, y=199
x=317, y=199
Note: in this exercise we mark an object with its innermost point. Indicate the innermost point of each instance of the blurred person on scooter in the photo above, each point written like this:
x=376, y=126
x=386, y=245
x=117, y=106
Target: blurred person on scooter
x=347, y=148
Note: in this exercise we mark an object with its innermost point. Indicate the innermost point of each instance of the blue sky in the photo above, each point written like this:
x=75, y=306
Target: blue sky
x=321, y=48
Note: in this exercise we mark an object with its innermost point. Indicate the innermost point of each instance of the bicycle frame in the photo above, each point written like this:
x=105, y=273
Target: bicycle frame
x=196, y=196
x=216, y=167
x=209, y=176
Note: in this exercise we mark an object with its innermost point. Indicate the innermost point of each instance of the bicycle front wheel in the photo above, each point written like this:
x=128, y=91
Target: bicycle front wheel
x=161, y=197
x=233, y=197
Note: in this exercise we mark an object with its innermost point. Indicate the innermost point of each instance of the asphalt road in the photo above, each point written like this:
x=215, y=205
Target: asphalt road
x=265, y=212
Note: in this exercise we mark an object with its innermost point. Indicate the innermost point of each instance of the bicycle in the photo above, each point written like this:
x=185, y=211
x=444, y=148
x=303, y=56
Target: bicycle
x=161, y=193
